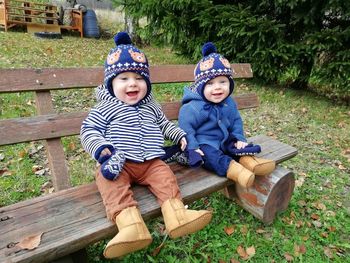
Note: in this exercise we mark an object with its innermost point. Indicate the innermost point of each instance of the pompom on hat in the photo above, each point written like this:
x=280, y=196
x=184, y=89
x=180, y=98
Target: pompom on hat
x=211, y=66
x=125, y=58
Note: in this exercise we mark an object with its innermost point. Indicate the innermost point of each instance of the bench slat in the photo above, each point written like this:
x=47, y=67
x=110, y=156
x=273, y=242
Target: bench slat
x=58, y=125
x=73, y=218
x=68, y=78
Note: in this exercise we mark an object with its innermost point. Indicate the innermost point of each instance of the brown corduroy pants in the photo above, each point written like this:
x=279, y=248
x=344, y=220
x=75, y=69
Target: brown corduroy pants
x=155, y=174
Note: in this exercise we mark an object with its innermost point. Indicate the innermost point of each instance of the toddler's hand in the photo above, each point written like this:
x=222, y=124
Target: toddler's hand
x=104, y=155
x=105, y=151
x=240, y=145
x=183, y=143
x=199, y=151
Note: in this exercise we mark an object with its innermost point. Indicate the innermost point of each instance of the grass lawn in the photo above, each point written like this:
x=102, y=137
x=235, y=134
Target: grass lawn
x=316, y=226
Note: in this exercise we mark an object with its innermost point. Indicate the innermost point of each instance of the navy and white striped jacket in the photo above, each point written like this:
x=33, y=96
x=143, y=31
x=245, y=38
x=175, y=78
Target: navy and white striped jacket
x=137, y=131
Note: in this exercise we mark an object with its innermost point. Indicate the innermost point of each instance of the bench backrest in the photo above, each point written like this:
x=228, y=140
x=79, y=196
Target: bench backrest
x=51, y=126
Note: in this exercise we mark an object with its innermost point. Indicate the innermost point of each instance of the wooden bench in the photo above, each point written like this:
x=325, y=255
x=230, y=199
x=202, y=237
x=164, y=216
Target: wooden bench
x=74, y=217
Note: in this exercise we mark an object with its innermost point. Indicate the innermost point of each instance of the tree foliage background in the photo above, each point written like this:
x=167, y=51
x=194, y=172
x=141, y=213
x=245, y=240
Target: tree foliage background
x=299, y=42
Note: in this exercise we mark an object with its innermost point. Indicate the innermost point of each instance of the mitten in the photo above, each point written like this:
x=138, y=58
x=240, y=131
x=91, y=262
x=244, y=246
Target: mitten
x=250, y=149
x=111, y=168
x=194, y=158
x=171, y=153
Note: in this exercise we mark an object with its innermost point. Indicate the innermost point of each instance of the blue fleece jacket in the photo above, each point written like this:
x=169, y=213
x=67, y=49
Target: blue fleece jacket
x=209, y=123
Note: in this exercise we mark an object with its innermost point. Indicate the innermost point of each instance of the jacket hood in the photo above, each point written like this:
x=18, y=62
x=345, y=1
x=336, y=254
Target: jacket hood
x=190, y=94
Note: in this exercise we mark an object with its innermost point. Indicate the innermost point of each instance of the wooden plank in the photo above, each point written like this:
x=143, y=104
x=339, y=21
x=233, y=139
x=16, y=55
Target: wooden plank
x=32, y=16
x=67, y=78
x=59, y=125
x=74, y=218
x=28, y=2
x=32, y=28
x=40, y=127
x=273, y=149
x=54, y=147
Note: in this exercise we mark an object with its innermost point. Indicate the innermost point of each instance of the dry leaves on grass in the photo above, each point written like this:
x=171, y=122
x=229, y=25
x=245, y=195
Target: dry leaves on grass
x=229, y=230
x=30, y=242
x=288, y=257
x=156, y=251
x=246, y=253
x=299, y=249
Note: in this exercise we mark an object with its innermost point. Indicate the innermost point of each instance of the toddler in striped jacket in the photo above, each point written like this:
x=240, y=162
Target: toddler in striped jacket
x=125, y=133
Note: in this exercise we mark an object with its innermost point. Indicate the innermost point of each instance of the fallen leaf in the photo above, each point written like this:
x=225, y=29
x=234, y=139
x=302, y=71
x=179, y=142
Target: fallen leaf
x=40, y=172
x=324, y=234
x=47, y=188
x=320, y=206
x=302, y=203
x=260, y=231
x=299, y=224
x=49, y=51
x=299, y=182
x=317, y=224
x=330, y=213
x=331, y=229
x=250, y=251
x=229, y=230
x=242, y=253
x=72, y=146
x=30, y=242
x=288, y=257
x=244, y=230
x=22, y=153
x=302, y=249
x=315, y=217
x=40, y=147
x=319, y=142
x=5, y=172
x=270, y=134
x=305, y=238
x=328, y=252
x=341, y=124
x=299, y=249
x=36, y=168
x=342, y=167
x=156, y=251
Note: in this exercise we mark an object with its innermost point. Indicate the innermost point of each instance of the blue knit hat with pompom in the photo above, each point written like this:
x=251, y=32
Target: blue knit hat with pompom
x=125, y=57
x=211, y=66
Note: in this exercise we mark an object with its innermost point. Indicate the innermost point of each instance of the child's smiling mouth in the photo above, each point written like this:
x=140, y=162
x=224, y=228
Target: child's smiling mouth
x=132, y=93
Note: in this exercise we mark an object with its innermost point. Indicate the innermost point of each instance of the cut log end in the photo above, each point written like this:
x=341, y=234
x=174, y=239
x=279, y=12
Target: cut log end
x=279, y=197
x=267, y=196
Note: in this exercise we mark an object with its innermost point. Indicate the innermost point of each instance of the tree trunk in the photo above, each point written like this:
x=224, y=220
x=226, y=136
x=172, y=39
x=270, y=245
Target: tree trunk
x=301, y=82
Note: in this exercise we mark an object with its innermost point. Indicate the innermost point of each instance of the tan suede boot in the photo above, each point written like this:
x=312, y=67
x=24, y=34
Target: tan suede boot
x=179, y=221
x=239, y=174
x=133, y=234
x=258, y=166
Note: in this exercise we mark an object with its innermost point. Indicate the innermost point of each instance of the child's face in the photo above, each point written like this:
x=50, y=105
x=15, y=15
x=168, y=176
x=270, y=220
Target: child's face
x=129, y=87
x=217, y=89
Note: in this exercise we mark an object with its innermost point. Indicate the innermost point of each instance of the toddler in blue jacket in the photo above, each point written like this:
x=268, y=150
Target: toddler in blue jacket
x=213, y=125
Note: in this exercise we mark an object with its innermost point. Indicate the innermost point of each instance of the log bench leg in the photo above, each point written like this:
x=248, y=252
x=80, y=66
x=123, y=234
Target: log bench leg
x=267, y=196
